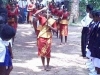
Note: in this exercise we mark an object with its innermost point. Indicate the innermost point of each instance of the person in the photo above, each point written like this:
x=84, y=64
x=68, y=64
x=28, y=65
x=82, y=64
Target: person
x=44, y=37
x=64, y=26
x=7, y=32
x=44, y=40
x=23, y=10
x=93, y=44
x=85, y=22
x=10, y=67
x=30, y=8
x=62, y=5
x=36, y=18
x=89, y=62
x=59, y=15
x=51, y=6
x=13, y=14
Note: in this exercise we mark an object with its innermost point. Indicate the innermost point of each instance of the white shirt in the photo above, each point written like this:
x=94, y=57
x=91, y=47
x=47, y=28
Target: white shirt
x=62, y=6
x=86, y=20
x=3, y=45
x=22, y=4
x=44, y=2
x=58, y=1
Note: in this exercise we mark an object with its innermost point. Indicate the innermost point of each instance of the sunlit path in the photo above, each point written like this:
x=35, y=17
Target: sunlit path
x=65, y=59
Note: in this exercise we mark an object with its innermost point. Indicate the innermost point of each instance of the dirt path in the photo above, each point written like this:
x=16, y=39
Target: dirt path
x=65, y=59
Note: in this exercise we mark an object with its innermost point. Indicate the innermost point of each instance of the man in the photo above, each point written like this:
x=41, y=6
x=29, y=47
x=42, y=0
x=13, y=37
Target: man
x=85, y=22
x=23, y=10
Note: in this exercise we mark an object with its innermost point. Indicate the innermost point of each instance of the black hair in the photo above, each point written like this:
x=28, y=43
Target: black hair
x=62, y=3
x=7, y=32
x=95, y=13
x=89, y=7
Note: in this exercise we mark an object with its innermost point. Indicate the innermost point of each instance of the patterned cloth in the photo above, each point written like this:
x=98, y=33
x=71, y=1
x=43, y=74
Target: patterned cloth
x=63, y=30
x=44, y=45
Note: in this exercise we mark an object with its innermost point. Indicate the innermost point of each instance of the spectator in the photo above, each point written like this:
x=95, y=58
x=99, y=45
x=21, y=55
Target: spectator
x=23, y=10
x=6, y=34
x=85, y=22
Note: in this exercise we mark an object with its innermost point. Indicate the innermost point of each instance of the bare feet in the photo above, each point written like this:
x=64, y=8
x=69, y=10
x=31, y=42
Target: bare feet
x=44, y=68
x=47, y=68
x=65, y=43
x=61, y=43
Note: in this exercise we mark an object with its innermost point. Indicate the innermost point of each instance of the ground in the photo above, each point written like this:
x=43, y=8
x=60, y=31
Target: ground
x=65, y=59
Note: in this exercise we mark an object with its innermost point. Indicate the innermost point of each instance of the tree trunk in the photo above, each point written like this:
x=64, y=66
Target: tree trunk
x=74, y=14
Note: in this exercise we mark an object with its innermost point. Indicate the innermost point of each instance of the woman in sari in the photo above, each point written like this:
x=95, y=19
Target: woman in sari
x=64, y=26
x=30, y=8
x=13, y=15
x=44, y=40
x=59, y=15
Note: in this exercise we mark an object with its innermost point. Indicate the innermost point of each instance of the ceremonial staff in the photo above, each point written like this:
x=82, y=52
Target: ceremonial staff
x=47, y=5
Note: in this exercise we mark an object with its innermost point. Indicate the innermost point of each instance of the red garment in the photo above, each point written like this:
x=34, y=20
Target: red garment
x=52, y=11
x=35, y=10
x=30, y=7
x=54, y=25
x=51, y=6
x=56, y=11
x=30, y=12
x=12, y=15
x=8, y=7
x=60, y=12
x=65, y=15
x=44, y=45
x=42, y=20
x=63, y=30
x=64, y=27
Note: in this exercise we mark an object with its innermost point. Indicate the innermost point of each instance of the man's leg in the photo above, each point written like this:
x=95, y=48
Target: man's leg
x=9, y=70
x=2, y=70
x=83, y=43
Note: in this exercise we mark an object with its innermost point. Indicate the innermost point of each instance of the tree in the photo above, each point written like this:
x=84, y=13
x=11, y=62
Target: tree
x=95, y=3
x=78, y=8
x=74, y=14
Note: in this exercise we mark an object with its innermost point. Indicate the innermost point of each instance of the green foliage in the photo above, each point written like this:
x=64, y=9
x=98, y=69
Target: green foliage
x=82, y=6
x=95, y=3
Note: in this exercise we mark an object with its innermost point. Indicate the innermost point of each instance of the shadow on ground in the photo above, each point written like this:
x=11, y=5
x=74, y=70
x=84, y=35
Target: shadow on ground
x=64, y=58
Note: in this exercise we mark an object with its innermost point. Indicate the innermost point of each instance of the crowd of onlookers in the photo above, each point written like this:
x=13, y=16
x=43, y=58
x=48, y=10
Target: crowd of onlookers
x=22, y=6
x=90, y=39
